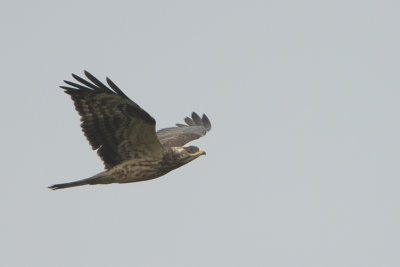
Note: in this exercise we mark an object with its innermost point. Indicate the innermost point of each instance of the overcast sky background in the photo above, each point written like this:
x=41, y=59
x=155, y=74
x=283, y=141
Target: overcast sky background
x=302, y=165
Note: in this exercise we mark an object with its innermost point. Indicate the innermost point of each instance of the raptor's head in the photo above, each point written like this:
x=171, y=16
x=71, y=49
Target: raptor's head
x=187, y=154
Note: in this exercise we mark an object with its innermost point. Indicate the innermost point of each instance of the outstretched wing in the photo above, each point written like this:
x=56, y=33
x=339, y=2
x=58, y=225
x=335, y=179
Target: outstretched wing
x=114, y=125
x=194, y=128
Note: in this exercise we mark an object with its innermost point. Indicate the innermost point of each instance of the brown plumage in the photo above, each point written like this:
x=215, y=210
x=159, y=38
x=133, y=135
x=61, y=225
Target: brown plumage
x=124, y=135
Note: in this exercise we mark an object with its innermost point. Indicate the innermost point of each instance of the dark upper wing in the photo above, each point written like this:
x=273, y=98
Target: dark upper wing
x=195, y=128
x=113, y=123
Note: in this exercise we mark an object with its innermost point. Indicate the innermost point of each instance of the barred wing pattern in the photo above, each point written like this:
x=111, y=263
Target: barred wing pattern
x=113, y=124
x=194, y=128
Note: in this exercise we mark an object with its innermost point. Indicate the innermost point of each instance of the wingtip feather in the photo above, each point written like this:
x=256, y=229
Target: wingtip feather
x=189, y=121
x=206, y=122
x=115, y=87
x=196, y=118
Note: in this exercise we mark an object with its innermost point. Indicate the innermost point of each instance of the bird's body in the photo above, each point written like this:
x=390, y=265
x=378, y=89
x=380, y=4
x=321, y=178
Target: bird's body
x=125, y=137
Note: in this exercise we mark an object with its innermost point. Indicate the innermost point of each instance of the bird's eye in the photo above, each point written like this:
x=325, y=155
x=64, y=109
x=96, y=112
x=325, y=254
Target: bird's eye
x=192, y=149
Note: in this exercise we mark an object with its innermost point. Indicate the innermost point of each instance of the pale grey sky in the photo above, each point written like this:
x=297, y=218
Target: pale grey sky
x=302, y=165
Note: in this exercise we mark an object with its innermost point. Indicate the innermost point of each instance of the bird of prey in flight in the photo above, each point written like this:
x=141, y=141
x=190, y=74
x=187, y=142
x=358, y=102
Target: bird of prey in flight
x=125, y=137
